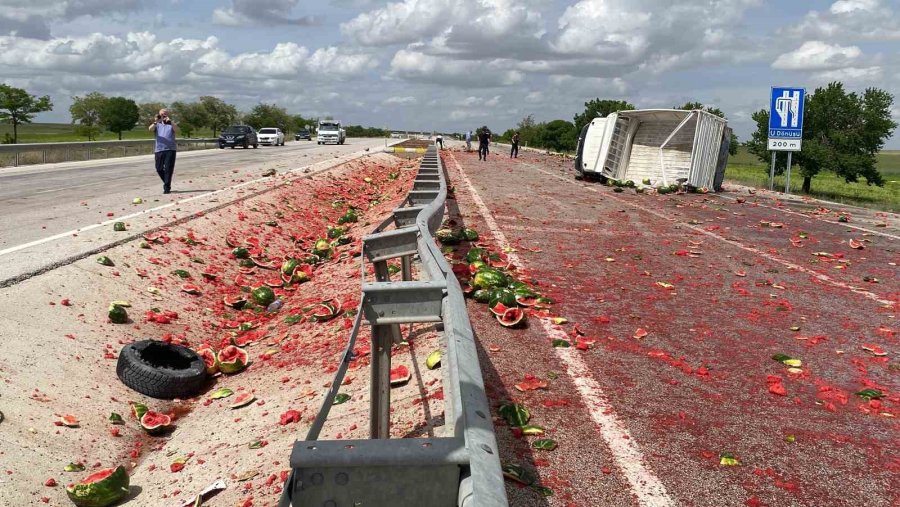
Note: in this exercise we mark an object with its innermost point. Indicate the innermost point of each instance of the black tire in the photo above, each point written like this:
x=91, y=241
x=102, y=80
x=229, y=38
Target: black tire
x=161, y=370
x=232, y=146
x=255, y=146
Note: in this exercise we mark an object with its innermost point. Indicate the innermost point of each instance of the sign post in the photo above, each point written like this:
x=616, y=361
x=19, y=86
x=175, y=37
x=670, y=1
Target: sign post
x=785, y=127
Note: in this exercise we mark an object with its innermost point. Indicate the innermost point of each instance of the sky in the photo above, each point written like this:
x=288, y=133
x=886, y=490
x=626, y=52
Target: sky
x=448, y=65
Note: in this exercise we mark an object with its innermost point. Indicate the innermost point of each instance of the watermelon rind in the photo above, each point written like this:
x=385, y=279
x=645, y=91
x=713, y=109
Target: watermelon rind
x=101, y=493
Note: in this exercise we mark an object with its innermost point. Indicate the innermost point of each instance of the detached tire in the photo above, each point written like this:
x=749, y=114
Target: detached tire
x=161, y=370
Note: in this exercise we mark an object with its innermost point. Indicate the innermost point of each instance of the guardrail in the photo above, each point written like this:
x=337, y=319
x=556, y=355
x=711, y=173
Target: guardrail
x=461, y=468
x=64, y=151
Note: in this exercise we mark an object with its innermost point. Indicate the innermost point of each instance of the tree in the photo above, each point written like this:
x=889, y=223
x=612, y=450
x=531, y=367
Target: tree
x=557, y=135
x=298, y=122
x=119, y=114
x=268, y=115
x=17, y=106
x=842, y=133
x=690, y=106
x=189, y=116
x=528, y=131
x=219, y=114
x=148, y=112
x=597, y=107
x=85, y=113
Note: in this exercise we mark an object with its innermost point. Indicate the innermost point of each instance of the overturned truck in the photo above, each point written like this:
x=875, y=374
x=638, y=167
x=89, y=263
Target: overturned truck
x=662, y=146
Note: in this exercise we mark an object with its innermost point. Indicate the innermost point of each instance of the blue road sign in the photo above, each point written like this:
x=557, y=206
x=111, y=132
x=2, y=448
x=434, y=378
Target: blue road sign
x=786, y=113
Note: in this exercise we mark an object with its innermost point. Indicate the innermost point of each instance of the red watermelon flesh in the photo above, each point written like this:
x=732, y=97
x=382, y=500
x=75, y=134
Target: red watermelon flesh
x=400, y=375
x=209, y=357
x=499, y=309
x=97, y=476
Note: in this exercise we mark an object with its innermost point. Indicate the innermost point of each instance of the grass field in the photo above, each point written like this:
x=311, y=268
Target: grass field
x=64, y=132
x=746, y=169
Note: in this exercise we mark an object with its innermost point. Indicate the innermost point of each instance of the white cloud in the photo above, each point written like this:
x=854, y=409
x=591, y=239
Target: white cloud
x=849, y=20
x=818, y=55
x=401, y=101
x=845, y=6
x=851, y=76
x=260, y=12
x=465, y=28
x=32, y=18
x=423, y=68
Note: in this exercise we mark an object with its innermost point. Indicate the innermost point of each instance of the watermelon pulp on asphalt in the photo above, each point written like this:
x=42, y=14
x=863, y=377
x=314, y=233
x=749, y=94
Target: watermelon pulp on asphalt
x=209, y=357
x=512, y=317
x=155, y=423
x=400, y=375
x=100, y=489
x=242, y=400
x=233, y=359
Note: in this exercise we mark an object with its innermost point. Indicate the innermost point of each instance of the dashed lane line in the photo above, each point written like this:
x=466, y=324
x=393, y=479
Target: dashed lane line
x=804, y=215
x=646, y=487
x=86, y=228
x=788, y=264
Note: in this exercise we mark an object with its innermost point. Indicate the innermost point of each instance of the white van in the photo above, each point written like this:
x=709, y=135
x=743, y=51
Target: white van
x=664, y=146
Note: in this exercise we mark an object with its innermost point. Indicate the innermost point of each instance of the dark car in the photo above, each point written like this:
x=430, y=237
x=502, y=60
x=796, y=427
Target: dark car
x=238, y=135
x=303, y=134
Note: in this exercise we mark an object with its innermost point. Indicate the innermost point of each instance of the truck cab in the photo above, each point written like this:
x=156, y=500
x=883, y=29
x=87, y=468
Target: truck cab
x=330, y=132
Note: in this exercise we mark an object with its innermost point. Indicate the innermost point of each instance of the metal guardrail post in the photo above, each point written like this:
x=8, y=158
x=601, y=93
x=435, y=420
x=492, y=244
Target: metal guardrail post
x=380, y=388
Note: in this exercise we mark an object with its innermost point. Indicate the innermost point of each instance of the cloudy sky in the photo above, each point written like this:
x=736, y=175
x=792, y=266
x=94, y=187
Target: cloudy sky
x=448, y=64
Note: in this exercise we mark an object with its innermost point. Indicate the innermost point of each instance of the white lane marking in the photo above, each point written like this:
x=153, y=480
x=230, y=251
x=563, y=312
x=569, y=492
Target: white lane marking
x=792, y=212
x=626, y=453
x=335, y=162
x=69, y=188
x=825, y=278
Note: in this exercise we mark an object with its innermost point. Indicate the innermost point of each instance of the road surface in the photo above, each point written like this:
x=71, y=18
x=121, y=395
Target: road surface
x=45, y=209
x=681, y=302
x=38, y=201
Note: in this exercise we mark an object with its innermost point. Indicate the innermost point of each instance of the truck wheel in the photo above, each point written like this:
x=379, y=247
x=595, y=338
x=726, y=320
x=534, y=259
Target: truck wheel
x=255, y=146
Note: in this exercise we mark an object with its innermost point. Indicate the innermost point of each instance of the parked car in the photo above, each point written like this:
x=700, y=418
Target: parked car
x=239, y=135
x=303, y=134
x=271, y=136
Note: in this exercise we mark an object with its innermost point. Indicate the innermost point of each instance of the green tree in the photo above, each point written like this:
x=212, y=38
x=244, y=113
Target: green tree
x=842, y=133
x=557, y=135
x=17, y=106
x=219, y=114
x=268, y=115
x=119, y=114
x=690, y=106
x=148, y=112
x=528, y=131
x=298, y=122
x=85, y=113
x=190, y=116
x=360, y=131
x=597, y=107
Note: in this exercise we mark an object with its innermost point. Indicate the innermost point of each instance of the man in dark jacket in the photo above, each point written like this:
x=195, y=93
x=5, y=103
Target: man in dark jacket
x=484, y=141
x=514, y=152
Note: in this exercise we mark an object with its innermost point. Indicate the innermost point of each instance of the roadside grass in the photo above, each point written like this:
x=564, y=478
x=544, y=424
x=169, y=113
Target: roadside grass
x=745, y=169
x=65, y=132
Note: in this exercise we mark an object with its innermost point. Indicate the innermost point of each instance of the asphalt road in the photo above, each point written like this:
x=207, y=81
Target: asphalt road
x=686, y=306
x=40, y=201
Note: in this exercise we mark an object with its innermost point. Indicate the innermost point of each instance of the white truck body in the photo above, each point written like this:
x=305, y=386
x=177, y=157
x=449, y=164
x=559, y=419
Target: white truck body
x=330, y=132
x=660, y=145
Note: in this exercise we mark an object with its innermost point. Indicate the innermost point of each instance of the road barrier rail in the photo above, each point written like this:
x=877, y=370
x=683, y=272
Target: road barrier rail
x=15, y=155
x=460, y=468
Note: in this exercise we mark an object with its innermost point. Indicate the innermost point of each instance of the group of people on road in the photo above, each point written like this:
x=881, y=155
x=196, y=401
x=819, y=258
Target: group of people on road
x=485, y=136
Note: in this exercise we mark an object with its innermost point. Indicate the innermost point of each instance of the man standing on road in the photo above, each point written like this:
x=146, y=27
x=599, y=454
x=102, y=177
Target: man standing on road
x=165, y=130
x=468, y=141
x=440, y=140
x=514, y=152
x=484, y=141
